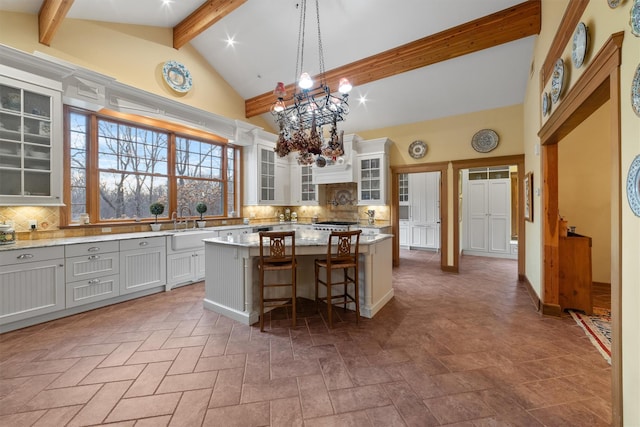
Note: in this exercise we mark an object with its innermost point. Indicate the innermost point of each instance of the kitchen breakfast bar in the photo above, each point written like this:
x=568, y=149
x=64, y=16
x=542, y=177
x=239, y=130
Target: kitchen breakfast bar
x=232, y=280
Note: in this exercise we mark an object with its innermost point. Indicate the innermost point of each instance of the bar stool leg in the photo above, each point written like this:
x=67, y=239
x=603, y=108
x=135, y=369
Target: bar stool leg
x=261, y=300
x=329, y=305
x=356, y=291
x=317, y=272
x=293, y=296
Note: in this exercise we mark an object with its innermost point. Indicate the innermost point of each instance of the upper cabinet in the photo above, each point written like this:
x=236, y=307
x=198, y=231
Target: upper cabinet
x=266, y=176
x=303, y=190
x=373, y=165
x=30, y=141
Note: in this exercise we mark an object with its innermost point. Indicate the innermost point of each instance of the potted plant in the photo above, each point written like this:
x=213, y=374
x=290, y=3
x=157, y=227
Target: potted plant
x=201, y=208
x=156, y=209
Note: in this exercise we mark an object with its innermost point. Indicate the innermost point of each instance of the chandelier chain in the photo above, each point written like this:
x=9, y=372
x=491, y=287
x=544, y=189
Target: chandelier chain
x=320, y=51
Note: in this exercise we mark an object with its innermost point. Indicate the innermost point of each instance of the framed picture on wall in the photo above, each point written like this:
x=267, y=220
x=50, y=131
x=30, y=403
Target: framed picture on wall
x=528, y=197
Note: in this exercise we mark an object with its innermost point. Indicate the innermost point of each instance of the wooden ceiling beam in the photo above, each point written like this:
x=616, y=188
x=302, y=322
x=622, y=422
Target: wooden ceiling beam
x=202, y=18
x=50, y=17
x=510, y=24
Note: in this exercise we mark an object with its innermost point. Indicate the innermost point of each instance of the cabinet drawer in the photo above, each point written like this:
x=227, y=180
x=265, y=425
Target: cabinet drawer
x=88, y=291
x=91, y=248
x=90, y=266
x=144, y=242
x=21, y=256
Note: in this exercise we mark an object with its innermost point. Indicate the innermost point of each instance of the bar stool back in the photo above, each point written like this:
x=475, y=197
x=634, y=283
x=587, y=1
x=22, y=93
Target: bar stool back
x=342, y=254
x=277, y=253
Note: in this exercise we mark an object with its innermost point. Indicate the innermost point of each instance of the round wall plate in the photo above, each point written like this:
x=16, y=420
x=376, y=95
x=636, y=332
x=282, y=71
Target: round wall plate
x=546, y=104
x=635, y=92
x=484, y=140
x=417, y=149
x=633, y=186
x=557, y=80
x=580, y=44
x=634, y=20
x=177, y=76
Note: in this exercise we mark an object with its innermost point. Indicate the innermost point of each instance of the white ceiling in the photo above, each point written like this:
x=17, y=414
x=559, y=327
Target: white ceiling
x=266, y=32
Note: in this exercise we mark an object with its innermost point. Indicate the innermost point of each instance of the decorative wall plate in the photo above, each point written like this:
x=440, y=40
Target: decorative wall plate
x=580, y=44
x=417, y=149
x=546, y=103
x=633, y=185
x=634, y=22
x=635, y=91
x=557, y=80
x=484, y=140
x=177, y=76
x=613, y=3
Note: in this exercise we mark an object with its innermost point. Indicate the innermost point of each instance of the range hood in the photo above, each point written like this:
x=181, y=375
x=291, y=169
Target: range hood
x=345, y=171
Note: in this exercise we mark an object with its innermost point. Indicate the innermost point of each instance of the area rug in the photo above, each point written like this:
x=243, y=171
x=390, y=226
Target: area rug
x=598, y=329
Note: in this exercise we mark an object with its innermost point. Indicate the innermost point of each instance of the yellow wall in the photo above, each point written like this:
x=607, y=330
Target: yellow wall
x=133, y=54
x=583, y=190
x=602, y=22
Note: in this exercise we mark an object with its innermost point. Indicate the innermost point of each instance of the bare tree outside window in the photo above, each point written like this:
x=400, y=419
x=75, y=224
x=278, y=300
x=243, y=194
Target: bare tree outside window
x=134, y=168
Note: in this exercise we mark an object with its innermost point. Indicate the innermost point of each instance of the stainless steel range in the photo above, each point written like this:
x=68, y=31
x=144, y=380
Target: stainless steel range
x=334, y=225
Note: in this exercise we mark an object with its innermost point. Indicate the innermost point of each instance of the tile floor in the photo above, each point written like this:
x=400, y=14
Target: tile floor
x=462, y=349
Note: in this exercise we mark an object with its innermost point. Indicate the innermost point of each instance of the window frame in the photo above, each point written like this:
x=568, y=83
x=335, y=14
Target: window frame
x=173, y=131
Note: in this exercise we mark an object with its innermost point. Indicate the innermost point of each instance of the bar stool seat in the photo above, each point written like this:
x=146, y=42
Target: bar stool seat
x=342, y=254
x=277, y=254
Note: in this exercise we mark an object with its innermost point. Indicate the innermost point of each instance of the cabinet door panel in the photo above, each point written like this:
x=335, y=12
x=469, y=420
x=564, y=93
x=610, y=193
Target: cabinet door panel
x=31, y=289
x=142, y=269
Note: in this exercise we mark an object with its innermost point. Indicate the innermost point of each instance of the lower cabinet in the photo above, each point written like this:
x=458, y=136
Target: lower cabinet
x=142, y=264
x=92, y=275
x=31, y=283
x=404, y=234
x=185, y=267
x=424, y=236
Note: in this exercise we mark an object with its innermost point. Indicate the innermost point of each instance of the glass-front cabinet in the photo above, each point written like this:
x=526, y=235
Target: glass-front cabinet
x=30, y=144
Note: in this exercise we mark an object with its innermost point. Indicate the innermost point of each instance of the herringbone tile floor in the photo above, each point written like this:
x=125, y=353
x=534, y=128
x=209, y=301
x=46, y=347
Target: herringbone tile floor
x=464, y=349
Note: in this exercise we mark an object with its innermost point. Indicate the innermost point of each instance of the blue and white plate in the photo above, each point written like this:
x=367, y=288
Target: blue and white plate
x=177, y=76
x=634, y=22
x=633, y=185
x=635, y=91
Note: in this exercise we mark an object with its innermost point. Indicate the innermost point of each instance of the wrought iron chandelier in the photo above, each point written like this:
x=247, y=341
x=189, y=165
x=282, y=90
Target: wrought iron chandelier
x=302, y=116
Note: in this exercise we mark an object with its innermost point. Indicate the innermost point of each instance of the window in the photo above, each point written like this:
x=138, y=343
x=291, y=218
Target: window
x=118, y=169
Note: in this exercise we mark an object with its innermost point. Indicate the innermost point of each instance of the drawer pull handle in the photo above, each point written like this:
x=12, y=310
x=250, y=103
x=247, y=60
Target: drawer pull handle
x=94, y=257
x=25, y=256
x=94, y=281
x=144, y=243
x=93, y=249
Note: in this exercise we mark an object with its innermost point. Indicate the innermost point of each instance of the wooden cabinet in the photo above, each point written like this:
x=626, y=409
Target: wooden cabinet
x=31, y=283
x=30, y=140
x=92, y=272
x=575, y=272
x=142, y=264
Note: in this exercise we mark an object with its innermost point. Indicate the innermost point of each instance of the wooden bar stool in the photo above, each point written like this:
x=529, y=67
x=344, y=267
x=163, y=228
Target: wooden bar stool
x=342, y=254
x=275, y=257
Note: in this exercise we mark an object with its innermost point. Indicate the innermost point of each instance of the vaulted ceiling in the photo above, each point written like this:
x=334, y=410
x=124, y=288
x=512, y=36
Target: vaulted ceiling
x=409, y=60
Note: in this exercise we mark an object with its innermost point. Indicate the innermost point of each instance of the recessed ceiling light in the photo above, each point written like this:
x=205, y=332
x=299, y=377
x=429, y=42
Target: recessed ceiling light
x=230, y=41
x=362, y=100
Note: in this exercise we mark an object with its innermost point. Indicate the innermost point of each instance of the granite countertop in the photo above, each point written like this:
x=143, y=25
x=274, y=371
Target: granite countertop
x=303, y=238
x=41, y=243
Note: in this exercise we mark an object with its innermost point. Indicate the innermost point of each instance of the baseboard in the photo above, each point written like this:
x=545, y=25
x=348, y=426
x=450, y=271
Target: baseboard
x=239, y=316
x=552, y=310
x=449, y=269
x=532, y=293
x=369, y=312
x=601, y=284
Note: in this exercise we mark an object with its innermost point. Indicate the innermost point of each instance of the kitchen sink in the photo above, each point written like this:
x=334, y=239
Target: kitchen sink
x=190, y=238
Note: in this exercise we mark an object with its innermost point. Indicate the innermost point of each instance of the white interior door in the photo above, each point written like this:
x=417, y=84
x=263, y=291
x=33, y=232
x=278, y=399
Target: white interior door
x=478, y=220
x=499, y=204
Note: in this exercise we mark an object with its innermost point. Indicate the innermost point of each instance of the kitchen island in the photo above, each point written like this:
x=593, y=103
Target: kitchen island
x=232, y=279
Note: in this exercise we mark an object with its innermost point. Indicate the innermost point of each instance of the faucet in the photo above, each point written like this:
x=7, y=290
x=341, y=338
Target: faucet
x=174, y=218
x=186, y=220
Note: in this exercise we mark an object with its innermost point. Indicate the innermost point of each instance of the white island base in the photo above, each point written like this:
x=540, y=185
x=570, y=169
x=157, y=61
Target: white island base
x=232, y=280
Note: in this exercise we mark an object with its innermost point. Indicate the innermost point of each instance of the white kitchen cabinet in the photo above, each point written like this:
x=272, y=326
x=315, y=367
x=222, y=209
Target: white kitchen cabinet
x=92, y=272
x=424, y=210
x=267, y=177
x=303, y=190
x=30, y=140
x=488, y=213
x=31, y=283
x=373, y=165
x=232, y=233
x=142, y=264
x=185, y=267
x=404, y=233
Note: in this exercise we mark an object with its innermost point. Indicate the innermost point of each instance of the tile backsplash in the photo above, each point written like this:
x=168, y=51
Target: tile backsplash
x=48, y=217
